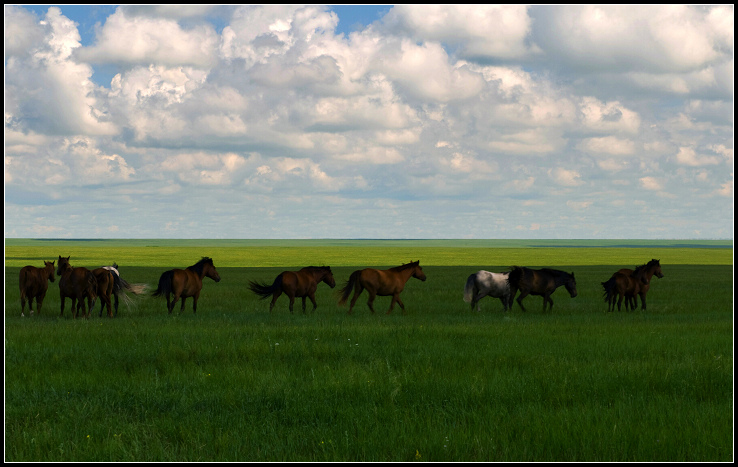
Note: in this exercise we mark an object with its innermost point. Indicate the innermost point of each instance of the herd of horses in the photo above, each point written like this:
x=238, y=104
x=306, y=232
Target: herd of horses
x=83, y=285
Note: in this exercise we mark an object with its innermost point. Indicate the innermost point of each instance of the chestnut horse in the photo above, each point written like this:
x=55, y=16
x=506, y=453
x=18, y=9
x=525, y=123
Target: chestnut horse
x=302, y=283
x=627, y=283
x=183, y=283
x=76, y=283
x=380, y=282
x=540, y=282
x=34, y=282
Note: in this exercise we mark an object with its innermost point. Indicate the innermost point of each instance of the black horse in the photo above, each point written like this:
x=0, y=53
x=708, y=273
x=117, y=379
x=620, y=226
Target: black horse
x=540, y=282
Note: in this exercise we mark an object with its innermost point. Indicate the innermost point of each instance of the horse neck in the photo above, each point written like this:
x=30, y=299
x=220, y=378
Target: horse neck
x=406, y=274
x=647, y=272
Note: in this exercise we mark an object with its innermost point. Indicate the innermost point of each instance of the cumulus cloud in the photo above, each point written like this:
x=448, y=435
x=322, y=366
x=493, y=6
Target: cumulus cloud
x=131, y=39
x=495, y=105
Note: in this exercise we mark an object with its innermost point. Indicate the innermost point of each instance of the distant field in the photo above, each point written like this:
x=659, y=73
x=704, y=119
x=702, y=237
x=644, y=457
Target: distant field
x=261, y=253
x=438, y=383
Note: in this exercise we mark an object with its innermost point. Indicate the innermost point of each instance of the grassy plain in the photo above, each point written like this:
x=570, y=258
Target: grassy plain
x=438, y=383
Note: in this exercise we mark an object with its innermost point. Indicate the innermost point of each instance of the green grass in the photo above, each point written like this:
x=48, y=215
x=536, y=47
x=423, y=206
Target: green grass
x=438, y=383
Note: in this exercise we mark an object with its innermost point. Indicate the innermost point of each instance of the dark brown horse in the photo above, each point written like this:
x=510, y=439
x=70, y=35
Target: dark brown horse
x=121, y=287
x=302, y=283
x=78, y=284
x=380, y=282
x=183, y=283
x=34, y=282
x=105, y=281
x=540, y=282
x=628, y=283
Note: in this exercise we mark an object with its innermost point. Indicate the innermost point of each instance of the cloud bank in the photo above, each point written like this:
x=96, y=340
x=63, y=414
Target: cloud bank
x=265, y=121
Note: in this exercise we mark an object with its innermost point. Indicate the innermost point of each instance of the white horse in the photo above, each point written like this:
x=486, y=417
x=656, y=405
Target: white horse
x=484, y=283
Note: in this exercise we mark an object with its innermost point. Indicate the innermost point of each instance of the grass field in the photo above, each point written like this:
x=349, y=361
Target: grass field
x=438, y=383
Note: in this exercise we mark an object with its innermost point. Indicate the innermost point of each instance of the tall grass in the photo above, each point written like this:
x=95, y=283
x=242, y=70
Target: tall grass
x=438, y=383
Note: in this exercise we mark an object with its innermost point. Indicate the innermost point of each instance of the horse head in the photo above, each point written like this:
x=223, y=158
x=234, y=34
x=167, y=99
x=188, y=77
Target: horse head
x=418, y=271
x=328, y=277
x=571, y=285
x=63, y=265
x=49, y=268
x=657, y=265
x=210, y=271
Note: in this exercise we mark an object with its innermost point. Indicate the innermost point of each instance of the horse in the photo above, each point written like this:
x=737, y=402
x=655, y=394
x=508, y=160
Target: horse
x=105, y=281
x=76, y=283
x=380, y=282
x=121, y=287
x=484, y=283
x=302, y=283
x=183, y=283
x=34, y=282
x=540, y=282
x=627, y=283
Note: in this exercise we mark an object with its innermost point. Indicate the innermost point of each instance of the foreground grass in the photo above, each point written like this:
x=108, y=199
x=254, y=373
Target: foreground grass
x=439, y=383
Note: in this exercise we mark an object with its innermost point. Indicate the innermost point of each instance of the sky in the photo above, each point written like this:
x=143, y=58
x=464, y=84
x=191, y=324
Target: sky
x=396, y=122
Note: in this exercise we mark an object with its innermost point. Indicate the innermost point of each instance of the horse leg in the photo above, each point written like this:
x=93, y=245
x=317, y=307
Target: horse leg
x=505, y=299
x=23, y=303
x=292, y=302
x=62, y=306
x=522, y=295
x=399, y=302
x=182, y=305
x=194, y=302
x=392, y=303
x=477, y=298
x=312, y=299
x=372, y=296
x=357, y=291
x=643, y=302
x=303, y=304
x=550, y=301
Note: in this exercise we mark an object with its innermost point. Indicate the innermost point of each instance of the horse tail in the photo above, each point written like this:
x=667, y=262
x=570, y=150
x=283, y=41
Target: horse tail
x=609, y=287
x=346, y=290
x=264, y=290
x=165, y=284
x=469, y=288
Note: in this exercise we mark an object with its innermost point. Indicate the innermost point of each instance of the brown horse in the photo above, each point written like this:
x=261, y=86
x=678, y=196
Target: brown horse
x=382, y=283
x=628, y=283
x=76, y=283
x=105, y=281
x=34, y=282
x=183, y=283
x=302, y=283
x=540, y=282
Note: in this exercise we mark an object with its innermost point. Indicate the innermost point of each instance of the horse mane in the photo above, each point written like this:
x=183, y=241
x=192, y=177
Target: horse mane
x=644, y=266
x=200, y=265
x=409, y=265
x=556, y=272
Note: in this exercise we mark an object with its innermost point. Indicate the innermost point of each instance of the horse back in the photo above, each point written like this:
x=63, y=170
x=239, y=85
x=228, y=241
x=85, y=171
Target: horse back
x=32, y=280
x=383, y=282
x=187, y=282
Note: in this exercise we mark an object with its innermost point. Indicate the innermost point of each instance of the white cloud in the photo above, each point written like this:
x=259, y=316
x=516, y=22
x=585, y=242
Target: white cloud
x=481, y=30
x=132, y=39
x=651, y=183
x=565, y=177
x=609, y=145
x=688, y=156
x=519, y=111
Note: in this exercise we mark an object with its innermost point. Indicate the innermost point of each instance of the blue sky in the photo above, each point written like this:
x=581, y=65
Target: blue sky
x=435, y=121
